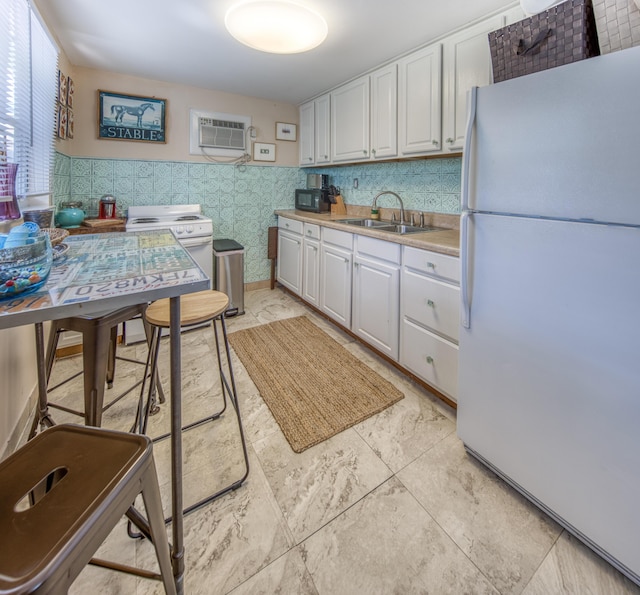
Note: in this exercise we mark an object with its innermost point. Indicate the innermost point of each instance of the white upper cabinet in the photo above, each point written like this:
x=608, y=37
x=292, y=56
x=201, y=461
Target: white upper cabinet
x=350, y=121
x=322, y=129
x=384, y=107
x=307, y=133
x=414, y=106
x=419, y=103
x=314, y=132
x=466, y=64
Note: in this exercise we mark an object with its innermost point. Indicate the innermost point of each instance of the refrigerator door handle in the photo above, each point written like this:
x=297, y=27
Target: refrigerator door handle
x=465, y=310
x=466, y=151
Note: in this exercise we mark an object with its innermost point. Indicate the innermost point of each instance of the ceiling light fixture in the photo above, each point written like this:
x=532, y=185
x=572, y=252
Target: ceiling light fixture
x=276, y=26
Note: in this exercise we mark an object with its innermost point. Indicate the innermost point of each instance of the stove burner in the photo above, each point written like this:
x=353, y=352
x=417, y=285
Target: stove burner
x=145, y=220
x=188, y=218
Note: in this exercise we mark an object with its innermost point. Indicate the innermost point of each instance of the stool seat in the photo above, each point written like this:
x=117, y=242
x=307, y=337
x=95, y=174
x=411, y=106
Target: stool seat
x=195, y=308
x=61, y=495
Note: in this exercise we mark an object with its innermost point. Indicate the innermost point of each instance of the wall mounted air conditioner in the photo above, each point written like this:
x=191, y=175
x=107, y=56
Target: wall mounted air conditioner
x=217, y=134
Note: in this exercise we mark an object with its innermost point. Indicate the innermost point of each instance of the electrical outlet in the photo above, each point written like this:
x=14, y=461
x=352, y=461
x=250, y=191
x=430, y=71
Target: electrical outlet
x=355, y=182
x=252, y=133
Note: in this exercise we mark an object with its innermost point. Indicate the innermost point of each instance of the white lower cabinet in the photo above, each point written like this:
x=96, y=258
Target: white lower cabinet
x=336, y=275
x=311, y=264
x=376, y=294
x=290, y=254
x=430, y=317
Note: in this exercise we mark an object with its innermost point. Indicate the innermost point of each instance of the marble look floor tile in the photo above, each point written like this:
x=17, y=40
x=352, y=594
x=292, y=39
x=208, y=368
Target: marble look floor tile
x=267, y=305
x=503, y=534
x=118, y=547
x=387, y=543
x=286, y=575
x=402, y=432
x=571, y=568
x=212, y=459
x=230, y=539
x=318, y=484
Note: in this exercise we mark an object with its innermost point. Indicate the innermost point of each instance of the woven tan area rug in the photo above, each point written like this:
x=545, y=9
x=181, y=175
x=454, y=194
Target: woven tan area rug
x=313, y=386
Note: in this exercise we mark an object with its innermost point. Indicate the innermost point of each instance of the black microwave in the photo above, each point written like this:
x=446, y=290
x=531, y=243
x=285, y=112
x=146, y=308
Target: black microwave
x=315, y=200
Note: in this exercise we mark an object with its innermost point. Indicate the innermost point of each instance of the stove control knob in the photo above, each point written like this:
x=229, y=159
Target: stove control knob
x=178, y=229
x=189, y=229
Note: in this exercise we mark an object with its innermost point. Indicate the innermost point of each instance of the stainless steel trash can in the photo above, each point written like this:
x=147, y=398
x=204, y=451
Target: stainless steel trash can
x=228, y=273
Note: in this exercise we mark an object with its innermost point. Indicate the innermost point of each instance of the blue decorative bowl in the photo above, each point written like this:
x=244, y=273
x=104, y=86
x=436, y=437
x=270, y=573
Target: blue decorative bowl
x=24, y=269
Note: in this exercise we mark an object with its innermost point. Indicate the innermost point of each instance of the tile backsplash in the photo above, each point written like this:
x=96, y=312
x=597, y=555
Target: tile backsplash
x=241, y=200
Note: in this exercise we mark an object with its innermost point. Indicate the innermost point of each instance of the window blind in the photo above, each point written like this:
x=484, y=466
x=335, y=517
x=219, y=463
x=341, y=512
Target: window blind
x=28, y=84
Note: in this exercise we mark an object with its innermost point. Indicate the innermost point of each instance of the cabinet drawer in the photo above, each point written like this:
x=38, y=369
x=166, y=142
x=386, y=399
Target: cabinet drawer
x=389, y=251
x=290, y=225
x=432, y=303
x=311, y=230
x=432, y=358
x=432, y=263
x=337, y=238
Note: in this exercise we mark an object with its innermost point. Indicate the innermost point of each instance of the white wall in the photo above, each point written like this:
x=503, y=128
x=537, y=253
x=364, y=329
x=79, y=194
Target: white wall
x=18, y=380
x=180, y=99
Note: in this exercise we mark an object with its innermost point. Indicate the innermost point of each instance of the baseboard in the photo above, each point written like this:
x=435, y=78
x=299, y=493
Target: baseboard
x=257, y=285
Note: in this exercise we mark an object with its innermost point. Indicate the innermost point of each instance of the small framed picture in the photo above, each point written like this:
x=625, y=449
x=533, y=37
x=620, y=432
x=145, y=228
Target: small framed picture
x=264, y=152
x=62, y=121
x=70, y=92
x=69, y=123
x=286, y=131
x=62, y=88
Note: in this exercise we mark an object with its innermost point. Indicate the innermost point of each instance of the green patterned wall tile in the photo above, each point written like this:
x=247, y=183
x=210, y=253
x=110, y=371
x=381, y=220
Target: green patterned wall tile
x=241, y=200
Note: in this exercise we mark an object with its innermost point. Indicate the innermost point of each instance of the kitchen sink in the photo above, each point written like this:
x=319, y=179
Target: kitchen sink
x=388, y=226
x=365, y=222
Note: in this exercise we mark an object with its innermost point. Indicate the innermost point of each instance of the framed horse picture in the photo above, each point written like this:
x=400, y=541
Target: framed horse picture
x=129, y=117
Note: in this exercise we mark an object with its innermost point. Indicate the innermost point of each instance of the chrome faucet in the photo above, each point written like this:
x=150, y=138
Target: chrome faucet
x=375, y=204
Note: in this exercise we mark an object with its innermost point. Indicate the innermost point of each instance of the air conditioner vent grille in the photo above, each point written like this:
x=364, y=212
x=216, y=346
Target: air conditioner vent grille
x=221, y=134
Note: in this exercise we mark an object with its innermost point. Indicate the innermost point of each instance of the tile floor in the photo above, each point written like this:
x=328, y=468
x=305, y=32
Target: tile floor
x=392, y=505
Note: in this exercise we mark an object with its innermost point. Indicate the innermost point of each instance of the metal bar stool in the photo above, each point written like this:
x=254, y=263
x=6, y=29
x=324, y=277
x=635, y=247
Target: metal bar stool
x=99, y=338
x=196, y=308
x=61, y=495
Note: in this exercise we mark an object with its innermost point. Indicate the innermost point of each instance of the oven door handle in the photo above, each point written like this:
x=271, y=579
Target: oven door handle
x=191, y=242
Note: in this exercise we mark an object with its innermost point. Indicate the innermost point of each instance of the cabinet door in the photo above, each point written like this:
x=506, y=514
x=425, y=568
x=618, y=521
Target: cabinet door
x=311, y=272
x=466, y=64
x=419, y=103
x=384, y=107
x=350, y=121
x=322, y=129
x=307, y=134
x=376, y=291
x=290, y=261
x=335, y=283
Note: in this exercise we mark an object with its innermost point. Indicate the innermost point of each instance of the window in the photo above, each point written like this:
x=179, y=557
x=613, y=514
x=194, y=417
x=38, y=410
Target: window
x=28, y=83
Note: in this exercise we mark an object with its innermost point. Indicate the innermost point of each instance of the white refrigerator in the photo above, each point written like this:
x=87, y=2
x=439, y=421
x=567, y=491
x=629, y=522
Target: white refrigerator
x=549, y=360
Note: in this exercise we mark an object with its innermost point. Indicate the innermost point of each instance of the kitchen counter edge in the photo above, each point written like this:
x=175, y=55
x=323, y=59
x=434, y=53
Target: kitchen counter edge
x=446, y=241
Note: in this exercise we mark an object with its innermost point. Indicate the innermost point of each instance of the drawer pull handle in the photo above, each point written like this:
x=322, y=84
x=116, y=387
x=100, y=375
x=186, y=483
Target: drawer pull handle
x=431, y=265
x=431, y=304
x=429, y=359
